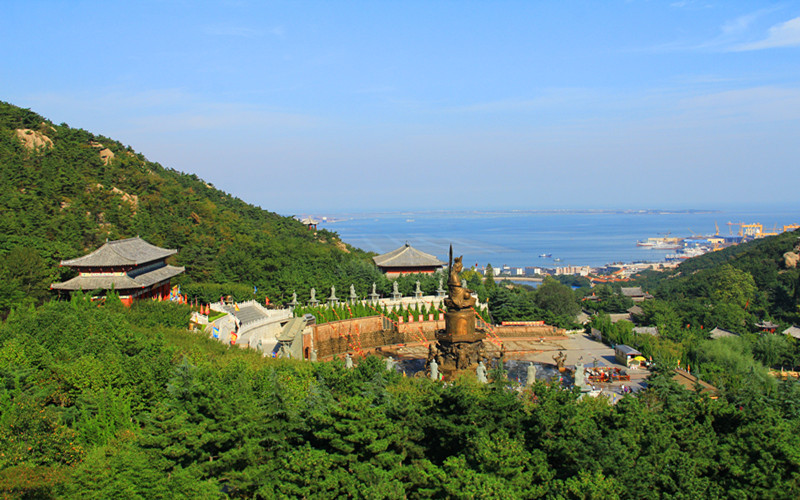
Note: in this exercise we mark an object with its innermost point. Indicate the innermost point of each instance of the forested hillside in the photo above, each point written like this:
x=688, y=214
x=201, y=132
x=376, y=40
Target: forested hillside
x=65, y=190
x=115, y=402
x=735, y=287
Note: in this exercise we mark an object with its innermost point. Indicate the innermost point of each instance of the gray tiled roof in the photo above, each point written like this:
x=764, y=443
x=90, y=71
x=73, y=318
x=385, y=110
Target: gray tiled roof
x=718, y=333
x=407, y=256
x=793, y=331
x=628, y=350
x=632, y=291
x=131, y=251
x=121, y=282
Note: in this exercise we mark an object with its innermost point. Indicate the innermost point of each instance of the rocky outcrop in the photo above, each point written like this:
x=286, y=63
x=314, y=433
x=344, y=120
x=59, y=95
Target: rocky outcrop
x=32, y=139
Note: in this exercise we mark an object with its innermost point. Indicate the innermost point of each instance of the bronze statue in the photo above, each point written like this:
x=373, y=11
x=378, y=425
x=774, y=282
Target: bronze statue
x=460, y=345
x=460, y=297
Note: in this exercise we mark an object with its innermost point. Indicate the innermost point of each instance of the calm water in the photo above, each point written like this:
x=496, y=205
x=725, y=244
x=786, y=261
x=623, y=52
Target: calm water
x=518, y=238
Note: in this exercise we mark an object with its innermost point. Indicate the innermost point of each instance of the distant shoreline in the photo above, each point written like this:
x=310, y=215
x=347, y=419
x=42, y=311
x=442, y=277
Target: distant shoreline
x=336, y=216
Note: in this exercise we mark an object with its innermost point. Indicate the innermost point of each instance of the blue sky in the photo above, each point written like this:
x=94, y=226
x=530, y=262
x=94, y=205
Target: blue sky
x=315, y=107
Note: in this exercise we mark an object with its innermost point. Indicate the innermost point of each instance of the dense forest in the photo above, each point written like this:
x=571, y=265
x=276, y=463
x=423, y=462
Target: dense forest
x=110, y=402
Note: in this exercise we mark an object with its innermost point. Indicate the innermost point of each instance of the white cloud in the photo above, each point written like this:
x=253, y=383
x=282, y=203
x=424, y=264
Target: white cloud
x=781, y=35
x=741, y=23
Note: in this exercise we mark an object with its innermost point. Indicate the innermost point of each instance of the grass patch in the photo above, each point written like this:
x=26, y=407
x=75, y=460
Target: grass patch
x=215, y=315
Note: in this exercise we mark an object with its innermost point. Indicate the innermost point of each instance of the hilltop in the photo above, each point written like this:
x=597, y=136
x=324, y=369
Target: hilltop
x=67, y=190
x=756, y=272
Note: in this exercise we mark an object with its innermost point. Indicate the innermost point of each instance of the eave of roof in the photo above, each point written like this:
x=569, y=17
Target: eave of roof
x=127, y=252
x=123, y=282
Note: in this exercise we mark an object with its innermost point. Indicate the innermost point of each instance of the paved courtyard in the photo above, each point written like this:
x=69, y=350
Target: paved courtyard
x=576, y=346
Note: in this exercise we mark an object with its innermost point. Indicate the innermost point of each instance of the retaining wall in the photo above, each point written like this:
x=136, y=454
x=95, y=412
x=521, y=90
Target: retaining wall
x=350, y=335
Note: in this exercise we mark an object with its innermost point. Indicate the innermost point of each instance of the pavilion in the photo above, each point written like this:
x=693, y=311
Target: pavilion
x=133, y=268
x=407, y=260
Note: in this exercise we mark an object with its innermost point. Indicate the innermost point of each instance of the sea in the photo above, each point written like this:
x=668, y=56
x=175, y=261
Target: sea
x=519, y=238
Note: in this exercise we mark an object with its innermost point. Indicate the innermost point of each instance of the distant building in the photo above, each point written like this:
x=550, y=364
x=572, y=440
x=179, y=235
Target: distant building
x=767, y=326
x=407, y=260
x=646, y=330
x=624, y=354
x=792, y=331
x=133, y=268
x=574, y=270
x=718, y=333
x=635, y=293
x=309, y=222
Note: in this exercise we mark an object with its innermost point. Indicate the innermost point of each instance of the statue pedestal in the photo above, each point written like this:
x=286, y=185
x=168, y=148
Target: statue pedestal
x=459, y=326
x=460, y=344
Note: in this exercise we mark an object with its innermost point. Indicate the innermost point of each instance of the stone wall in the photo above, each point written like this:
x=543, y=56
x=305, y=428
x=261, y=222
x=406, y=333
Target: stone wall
x=528, y=331
x=351, y=335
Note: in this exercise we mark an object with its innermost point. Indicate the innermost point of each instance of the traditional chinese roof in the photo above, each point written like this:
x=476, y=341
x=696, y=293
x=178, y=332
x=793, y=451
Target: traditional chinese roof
x=128, y=252
x=718, y=333
x=647, y=330
x=632, y=291
x=635, y=311
x=407, y=256
x=120, y=281
x=793, y=331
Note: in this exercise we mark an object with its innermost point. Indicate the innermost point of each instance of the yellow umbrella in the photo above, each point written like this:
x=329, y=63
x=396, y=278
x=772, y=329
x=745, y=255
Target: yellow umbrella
x=640, y=358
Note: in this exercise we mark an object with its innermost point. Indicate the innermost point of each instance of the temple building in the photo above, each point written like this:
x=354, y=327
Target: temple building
x=407, y=260
x=134, y=268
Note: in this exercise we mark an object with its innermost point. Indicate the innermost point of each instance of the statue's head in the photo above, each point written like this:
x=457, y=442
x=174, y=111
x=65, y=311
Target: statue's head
x=458, y=265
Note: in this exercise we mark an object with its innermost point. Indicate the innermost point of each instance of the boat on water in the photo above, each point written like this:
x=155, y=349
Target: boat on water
x=546, y=255
x=662, y=245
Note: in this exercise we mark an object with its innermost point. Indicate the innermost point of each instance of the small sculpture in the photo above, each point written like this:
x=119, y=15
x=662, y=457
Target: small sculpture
x=373, y=290
x=353, y=295
x=462, y=361
x=434, y=366
x=313, y=356
x=313, y=295
x=580, y=375
x=481, y=373
x=390, y=363
x=440, y=292
x=348, y=361
x=531, y=375
x=560, y=359
x=395, y=289
x=418, y=290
